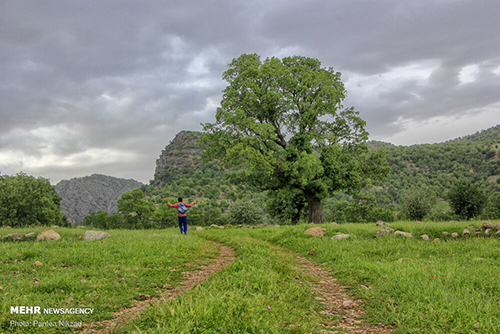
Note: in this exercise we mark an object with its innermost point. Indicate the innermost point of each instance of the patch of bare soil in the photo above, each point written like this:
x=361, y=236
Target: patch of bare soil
x=191, y=279
x=339, y=304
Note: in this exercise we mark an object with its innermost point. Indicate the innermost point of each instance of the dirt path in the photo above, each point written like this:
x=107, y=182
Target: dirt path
x=338, y=302
x=191, y=279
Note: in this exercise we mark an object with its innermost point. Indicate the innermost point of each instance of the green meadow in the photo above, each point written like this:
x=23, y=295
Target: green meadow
x=413, y=285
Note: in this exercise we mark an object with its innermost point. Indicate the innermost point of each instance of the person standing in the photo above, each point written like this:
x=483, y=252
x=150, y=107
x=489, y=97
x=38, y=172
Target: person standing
x=181, y=213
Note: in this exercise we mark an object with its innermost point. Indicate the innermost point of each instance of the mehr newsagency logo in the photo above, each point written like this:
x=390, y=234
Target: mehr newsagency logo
x=49, y=310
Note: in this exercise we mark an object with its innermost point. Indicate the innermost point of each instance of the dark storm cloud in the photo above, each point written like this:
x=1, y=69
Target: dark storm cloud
x=102, y=86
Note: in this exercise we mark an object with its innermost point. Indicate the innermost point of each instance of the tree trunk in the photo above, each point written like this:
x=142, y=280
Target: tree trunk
x=315, y=211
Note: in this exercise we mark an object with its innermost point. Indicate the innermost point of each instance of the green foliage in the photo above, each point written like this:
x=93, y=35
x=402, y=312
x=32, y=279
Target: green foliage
x=282, y=122
x=101, y=220
x=26, y=200
x=417, y=203
x=245, y=213
x=492, y=210
x=466, y=199
x=361, y=209
x=135, y=208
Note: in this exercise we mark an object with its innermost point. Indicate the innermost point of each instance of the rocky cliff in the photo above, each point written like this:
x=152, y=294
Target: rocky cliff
x=85, y=195
x=181, y=156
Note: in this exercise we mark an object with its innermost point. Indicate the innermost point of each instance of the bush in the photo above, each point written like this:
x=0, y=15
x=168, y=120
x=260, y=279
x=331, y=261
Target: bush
x=244, y=213
x=466, y=199
x=417, y=203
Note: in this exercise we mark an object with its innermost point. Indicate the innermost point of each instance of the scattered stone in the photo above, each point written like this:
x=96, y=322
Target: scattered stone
x=213, y=226
x=436, y=240
x=95, y=235
x=445, y=233
x=497, y=226
x=83, y=281
x=383, y=231
x=221, y=227
x=487, y=225
x=8, y=227
x=334, y=224
x=380, y=223
x=348, y=304
x=30, y=235
x=316, y=231
x=425, y=237
x=403, y=234
x=54, y=226
x=311, y=252
x=199, y=228
x=36, y=280
x=244, y=227
x=340, y=236
x=465, y=232
x=48, y=235
x=487, y=232
x=13, y=236
x=498, y=233
x=168, y=286
x=154, y=235
x=400, y=260
x=454, y=235
x=228, y=226
x=37, y=263
x=81, y=226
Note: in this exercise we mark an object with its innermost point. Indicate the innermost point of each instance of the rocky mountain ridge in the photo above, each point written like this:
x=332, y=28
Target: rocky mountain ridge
x=85, y=195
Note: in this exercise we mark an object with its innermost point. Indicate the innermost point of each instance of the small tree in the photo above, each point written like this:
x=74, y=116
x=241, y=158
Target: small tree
x=417, y=203
x=467, y=200
x=133, y=205
x=244, y=213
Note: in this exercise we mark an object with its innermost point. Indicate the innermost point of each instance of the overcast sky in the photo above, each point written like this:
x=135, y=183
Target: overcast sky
x=93, y=86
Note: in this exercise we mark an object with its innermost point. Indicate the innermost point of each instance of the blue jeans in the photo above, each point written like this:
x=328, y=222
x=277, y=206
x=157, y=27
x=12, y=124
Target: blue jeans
x=183, y=223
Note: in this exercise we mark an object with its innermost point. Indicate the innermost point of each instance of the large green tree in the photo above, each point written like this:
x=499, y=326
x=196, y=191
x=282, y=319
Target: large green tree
x=282, y=120
x=26, y=200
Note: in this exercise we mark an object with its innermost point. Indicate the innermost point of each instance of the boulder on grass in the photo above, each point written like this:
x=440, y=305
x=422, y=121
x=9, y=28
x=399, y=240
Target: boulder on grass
x=316, y=231
x=425, y=237
x=48, y=235
x=340, y=236
x=95, y=235
x=383, y=231
x=487, y=225
x=30, y=235
x=403, y=234
x=13, y=236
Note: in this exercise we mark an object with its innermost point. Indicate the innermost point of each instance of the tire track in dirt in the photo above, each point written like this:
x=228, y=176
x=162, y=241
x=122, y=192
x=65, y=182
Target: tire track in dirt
x=339, y=304
x=190, y=280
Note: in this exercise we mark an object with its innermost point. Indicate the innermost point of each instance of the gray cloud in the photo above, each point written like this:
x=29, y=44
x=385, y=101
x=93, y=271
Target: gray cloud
x=101, y=87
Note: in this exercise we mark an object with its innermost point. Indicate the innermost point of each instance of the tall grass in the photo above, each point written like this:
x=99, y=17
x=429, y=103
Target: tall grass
x=105, y=275
x=258, y=293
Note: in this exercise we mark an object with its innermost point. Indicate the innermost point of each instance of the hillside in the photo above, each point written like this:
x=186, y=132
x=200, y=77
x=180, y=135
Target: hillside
x=436, y=166
x=85, y=195
x=180, y=172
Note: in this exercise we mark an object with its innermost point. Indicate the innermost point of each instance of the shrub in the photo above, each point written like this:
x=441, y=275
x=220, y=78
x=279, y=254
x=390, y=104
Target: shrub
x=244, y=213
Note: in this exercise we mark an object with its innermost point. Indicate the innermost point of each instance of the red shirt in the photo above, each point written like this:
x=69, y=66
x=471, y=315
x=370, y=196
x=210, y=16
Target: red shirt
x=176, y=205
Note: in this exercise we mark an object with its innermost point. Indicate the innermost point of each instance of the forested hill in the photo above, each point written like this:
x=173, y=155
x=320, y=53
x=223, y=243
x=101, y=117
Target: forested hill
x=432, y=166
x=436, y=166
x=85, y=195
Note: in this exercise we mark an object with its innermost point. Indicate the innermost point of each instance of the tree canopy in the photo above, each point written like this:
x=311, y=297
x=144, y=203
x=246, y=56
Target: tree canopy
x=26, y=200
x=284, y=122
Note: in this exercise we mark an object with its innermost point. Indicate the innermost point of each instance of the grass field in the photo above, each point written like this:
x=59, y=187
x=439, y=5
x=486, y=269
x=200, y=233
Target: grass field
x=414, y=285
